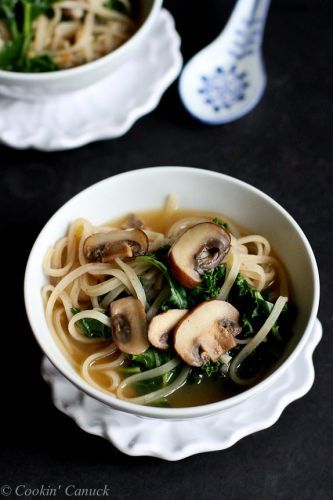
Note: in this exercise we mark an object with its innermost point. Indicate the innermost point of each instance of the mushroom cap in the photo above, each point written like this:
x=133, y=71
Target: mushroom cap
x=105, y=247
x=129, y=325
x=132, y=221
x=161, y=326
x=199, y=248
x=207, y=332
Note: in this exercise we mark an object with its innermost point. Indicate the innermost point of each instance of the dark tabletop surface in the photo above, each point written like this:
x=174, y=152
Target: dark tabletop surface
x=283, y=147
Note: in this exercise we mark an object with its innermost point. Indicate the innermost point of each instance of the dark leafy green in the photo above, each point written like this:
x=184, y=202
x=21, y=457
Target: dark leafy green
x=8, y=12
x=254, y=310
x=19, y=16
x=41, y=64
x=220, y=223
x=178, y=294
x=117, y=5
x=92, y=328
x=210, y=285
x=181, y=297
x=253, y=307
x=151, y=358
x=210, y=369
x=10, y=54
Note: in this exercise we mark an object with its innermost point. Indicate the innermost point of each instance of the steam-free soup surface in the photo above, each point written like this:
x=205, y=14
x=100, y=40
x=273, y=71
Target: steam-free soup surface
x=196, y=391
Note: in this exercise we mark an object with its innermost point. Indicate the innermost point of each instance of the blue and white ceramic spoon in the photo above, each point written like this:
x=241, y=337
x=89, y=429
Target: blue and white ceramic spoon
x=226, y=79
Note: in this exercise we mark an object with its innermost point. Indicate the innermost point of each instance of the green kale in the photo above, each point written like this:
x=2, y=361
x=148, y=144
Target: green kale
x=117, y=5
x=92, y=328
x=253, y=307
x=220, y=223
x=130, y=370
x=11, y=50
x=213, y=368
x=210, y=369
x=19, y=16
x=181, y=297
x=254, y=310
x=178, y=294
x=41, y=64
x=8, y=13
x=210, y=285
x=10, y=54
x=151, y=358
x=161, y=403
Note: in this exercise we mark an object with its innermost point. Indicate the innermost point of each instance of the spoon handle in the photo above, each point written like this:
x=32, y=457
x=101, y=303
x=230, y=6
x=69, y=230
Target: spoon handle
x=244, y=31
x=250, y=12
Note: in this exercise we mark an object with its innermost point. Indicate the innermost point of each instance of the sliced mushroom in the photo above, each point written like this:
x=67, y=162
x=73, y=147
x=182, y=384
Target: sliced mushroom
x=199, y=248
x=105, y=247
x=132, y=221
x=129, y=325
x=162, y=325
x=207, y=332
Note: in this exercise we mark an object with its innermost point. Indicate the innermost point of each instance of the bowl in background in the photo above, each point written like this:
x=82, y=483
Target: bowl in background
x=199, y=189
x=37, y=86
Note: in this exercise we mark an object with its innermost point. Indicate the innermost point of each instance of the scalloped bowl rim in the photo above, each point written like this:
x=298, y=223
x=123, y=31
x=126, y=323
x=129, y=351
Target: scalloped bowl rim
x=68, y=73
x=149, y=411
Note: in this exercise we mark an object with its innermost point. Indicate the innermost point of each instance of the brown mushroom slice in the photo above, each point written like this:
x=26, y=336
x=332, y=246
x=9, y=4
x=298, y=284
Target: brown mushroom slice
x=129, y=325
x=199, y=248
x=105, y=247
x=162, y=325
x=132, y=221
x=207, y=332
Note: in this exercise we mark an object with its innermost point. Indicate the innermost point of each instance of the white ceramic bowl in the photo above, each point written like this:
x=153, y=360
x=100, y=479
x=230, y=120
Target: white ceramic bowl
x=37, y=86
x=201, y=189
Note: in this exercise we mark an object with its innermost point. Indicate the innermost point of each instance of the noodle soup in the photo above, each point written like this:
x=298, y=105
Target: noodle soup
x=59, y=34
x=169, y=307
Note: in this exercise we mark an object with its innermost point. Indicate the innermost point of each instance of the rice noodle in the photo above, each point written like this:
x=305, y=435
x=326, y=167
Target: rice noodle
x=135, y=282
x=171, y=205
x=181, y=225
x=112, y=296
x=92, y=314
x=149, y=374
x=154, y=308
x=233, y=265
x=80, y=31
x=109, y=369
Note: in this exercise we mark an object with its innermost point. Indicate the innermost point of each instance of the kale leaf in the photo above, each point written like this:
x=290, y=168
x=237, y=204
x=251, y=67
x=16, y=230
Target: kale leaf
x=117, y=5
x=151, y=358
x=220, y=223
x=10, y=54
x=184, y=298
x=19, y=16
x=178, y=294
x=11, y=50
x=92, y=328
x=41, y=64
x=253, y=307
x=210, y=286
x=209, y=369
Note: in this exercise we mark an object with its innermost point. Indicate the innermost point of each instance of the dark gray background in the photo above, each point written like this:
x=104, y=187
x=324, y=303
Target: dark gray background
x=283, y=147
